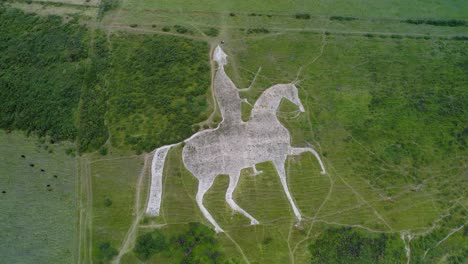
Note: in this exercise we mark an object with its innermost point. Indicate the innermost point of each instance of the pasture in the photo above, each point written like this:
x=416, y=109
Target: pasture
x=38, y=200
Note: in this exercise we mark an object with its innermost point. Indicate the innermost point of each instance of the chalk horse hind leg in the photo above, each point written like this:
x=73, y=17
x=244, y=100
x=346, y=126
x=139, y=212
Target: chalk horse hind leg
x=203, y=186
x=233, y=180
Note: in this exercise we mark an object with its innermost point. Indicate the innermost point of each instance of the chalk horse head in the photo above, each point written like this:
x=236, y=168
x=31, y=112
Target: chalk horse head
x=292, y=95
x=229, y=149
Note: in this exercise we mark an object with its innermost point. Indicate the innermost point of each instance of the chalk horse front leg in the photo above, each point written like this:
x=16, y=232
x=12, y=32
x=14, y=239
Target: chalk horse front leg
x=279, y=165
x=298, y=151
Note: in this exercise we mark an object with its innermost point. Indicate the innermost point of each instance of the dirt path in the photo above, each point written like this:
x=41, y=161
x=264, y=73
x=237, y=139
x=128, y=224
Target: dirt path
x=130, y=237
x=85, y=212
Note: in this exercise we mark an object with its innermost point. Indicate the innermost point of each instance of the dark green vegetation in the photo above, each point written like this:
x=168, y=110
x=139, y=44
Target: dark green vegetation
x=347, y=245
x=92, y=132
x=157, y=87
x=105, y=252
x=257, y=30
x=434, y=22
x=149, y=244
x=302, y=16
x=343, y=18
x=199, y=245
x=41, y=73
x=37, y=203
x=212, y=32
x=60, y=79
x=182, y=30
x=453, y=233
x=106, y=6
x=195, y=243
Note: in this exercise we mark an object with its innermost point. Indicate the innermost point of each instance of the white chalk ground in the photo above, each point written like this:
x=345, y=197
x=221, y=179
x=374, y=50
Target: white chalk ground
x=234, y=144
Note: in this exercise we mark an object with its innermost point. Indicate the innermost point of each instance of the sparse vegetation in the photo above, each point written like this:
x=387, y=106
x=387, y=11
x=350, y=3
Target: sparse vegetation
x=257, y=31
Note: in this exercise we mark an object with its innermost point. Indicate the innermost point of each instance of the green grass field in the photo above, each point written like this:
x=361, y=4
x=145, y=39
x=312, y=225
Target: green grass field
x=360, y=8
x=38, y=208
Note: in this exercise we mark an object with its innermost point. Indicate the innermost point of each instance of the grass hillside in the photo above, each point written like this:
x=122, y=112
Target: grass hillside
x=383, y=84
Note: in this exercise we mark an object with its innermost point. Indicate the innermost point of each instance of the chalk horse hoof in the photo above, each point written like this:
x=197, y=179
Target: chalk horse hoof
x=219, y=229
x=254, y=222
x=298, y=224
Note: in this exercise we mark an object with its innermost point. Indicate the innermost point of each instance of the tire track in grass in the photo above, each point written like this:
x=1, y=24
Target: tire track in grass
x=130, y=236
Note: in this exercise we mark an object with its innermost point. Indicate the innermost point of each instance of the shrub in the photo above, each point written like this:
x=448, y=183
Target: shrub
x=182, y=30
x=103, y=150
x=343, y=18
x=107, y=202
x=257, y=30
x=106, y=251
x=212, y=32
x=302, y=16
x=166, y=29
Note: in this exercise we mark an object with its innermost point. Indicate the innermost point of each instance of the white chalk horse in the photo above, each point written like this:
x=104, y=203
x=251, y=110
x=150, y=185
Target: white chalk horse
x=234, y=146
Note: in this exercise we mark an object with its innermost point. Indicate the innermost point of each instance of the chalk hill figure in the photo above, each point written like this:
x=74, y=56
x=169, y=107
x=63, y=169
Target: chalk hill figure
x=234, y=145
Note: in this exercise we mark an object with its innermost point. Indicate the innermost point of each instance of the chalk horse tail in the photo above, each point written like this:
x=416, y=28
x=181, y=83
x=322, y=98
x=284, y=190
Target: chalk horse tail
x=157, y=169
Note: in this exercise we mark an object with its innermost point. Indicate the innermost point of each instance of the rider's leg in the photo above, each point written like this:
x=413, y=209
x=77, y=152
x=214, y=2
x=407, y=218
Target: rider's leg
x=256, y=172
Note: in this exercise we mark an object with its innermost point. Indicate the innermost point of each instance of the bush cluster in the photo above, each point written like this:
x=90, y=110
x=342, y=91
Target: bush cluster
x=434, y=22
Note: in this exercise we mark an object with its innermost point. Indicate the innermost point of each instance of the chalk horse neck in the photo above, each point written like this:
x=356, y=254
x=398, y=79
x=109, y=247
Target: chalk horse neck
x=234, y=146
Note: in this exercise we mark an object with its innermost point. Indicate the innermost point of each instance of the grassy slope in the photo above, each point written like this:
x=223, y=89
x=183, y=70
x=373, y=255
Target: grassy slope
x=114, y=180
x=38, y=226
x=349, y=107
x=363, y=102
x=371, y=104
